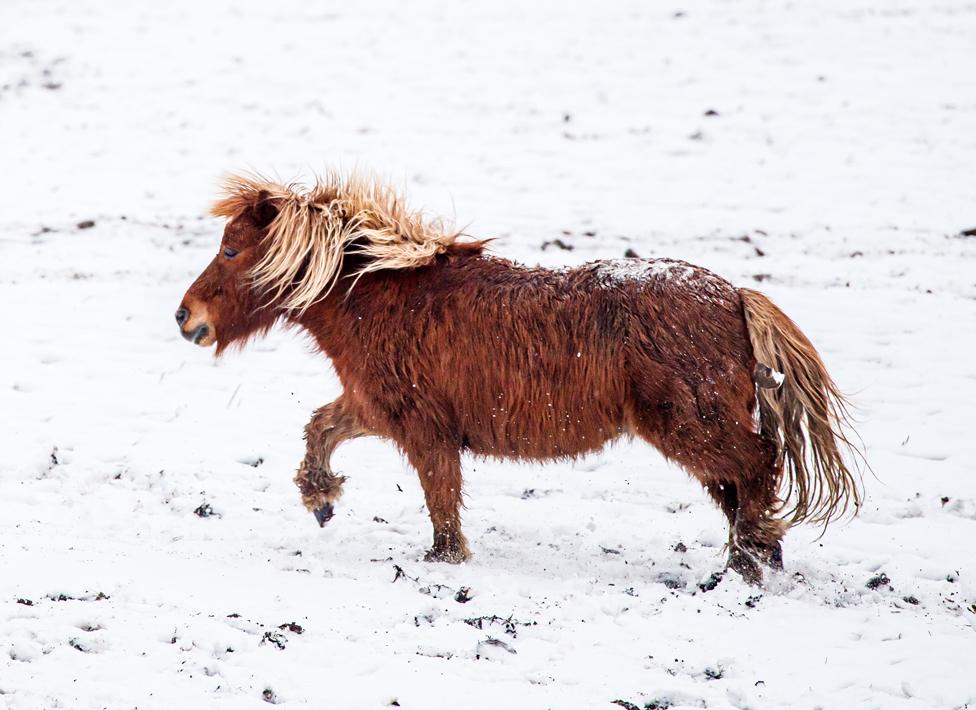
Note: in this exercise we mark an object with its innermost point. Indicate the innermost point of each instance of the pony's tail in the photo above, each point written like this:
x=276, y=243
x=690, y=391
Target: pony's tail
x=804, y=413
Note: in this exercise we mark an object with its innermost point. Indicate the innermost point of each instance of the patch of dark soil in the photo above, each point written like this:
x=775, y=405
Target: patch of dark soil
x=879, y=580
x=204, y=510
x=558, y=243
x=713, y=579
x=275, y=639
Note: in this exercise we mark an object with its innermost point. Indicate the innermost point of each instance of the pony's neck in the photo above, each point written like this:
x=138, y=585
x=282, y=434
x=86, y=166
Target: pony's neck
x=344, y=323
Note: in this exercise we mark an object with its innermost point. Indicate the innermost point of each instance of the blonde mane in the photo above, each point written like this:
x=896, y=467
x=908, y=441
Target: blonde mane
x=315, y=228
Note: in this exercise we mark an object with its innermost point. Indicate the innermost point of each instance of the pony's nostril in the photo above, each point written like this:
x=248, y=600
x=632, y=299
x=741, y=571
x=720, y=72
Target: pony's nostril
x=181, y=316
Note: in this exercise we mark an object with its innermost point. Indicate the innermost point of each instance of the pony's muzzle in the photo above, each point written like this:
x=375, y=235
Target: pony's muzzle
x=194, y=323
x=198, y=334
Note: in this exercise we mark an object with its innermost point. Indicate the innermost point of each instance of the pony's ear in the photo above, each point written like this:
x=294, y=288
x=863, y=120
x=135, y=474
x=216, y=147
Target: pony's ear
x=265, y=209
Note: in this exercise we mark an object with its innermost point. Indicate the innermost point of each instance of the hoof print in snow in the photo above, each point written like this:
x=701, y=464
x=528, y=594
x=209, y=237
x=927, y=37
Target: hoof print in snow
x=714, y=673
x=86, y=598
x=709, y=584
x=25, y=602
x=293, y=627
x=275, y=639
x=673, y=582
x=204, y=511
x=86, y=224
x=268, y=696
x=488, y=645
x=78, y=646
x=609, y=550
x=751, y=602
x=378, y=519
x=510, y=625
x=911, y=599
x=879, y=580
x=438, y=591
x=681, y=547
x=423, y=620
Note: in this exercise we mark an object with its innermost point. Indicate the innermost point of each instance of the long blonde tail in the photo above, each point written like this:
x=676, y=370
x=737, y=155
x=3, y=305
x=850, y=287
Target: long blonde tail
x=805, y=414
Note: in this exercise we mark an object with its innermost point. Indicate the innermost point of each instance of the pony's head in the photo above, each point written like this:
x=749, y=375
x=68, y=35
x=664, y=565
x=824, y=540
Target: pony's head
x=223, y=305
x=284, y=248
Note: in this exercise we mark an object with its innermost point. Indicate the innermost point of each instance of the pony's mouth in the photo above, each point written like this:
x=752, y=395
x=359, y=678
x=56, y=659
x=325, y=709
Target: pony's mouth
x=201, y=335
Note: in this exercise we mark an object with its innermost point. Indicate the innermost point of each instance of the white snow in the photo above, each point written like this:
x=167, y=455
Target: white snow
x=616, y=272
x=835, y=177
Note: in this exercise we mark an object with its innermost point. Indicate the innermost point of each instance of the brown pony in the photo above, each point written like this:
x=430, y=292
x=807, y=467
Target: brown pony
x=441, y=348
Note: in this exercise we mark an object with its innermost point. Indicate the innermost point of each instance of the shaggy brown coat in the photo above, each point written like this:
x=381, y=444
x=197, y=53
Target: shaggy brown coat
x=441, y=349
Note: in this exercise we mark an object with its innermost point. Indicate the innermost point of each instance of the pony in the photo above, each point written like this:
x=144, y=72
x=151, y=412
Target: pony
x=444, y=348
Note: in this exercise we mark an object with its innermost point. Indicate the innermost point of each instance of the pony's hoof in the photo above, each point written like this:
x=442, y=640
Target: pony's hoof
x=745, y=564
x=452, y=556
x=324, y=514
x=776, y=557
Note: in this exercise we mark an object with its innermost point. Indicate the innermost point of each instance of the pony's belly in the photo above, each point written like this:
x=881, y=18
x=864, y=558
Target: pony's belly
x=541, y=441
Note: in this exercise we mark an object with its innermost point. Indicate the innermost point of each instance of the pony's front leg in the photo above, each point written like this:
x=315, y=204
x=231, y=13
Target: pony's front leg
x=440, y=476
x=319, y=485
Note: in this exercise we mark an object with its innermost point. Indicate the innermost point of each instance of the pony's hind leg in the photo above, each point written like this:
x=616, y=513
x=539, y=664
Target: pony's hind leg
x=318, y=483
x=439, y=470
x=744, y=482
x=738, y=469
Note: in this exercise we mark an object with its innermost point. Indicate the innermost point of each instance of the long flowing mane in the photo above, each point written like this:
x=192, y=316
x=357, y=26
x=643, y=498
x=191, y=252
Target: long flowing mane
x=316, y=227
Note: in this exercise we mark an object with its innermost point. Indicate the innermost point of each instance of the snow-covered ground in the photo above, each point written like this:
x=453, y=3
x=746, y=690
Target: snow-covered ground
x=820, y=151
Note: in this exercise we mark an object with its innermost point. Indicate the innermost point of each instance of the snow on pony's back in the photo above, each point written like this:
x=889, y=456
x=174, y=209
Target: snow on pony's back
x=702, y=283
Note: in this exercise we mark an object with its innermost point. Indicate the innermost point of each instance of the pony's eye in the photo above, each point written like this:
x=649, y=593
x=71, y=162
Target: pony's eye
x=230, y=252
